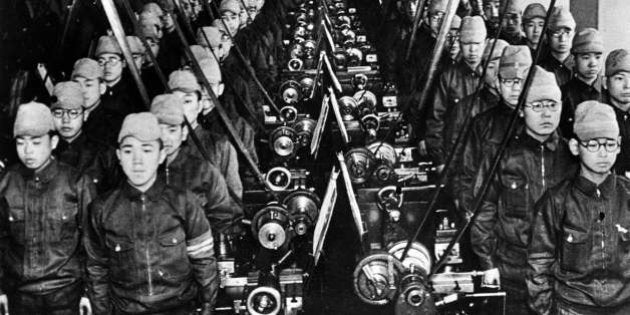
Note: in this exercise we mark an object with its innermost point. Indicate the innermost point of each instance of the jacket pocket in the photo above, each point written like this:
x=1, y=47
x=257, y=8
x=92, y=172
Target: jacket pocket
x=121, y=258
x=175, y=264
x=17, y=226
x=515, y=196
x=576, y=250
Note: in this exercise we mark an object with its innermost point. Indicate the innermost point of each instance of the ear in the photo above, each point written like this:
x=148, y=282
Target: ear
x=184, y=133
x=521, y=113
x=574, y=147
x=102, y=88
x=605, y=83
x=86, y=115
x=118, y=154
x=124, y=62
x=54, y=141
x=162, y=156
x=220, y=89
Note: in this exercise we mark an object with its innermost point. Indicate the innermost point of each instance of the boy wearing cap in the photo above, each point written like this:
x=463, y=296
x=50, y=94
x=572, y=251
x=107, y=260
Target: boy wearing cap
x=230, y=11
x=101, y=121
x=536, y=159
x=617, y=93
x=579, y=254
x=43, y=206
x=488, y=128
x=121, y=95
x=533, y=22
x=75, y=148
x=586, y=83
x=560, y=34
x=511, y=24
x=183, y=168
x=454, y=84
x=149, y=245
x=217, y=147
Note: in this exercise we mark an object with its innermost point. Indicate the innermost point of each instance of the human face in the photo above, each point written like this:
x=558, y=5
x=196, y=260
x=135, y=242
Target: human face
x=138, y=61
x=492, y=72
x=68, y=122
x=491, y=10
x=453, y=43
x=172, y=137
x=192, y=106
x=472, y=53
x=232, y=21
x=542, y=118
x=434, y=20
x=112, y=65
x=35, y=151
x=410, y=8
x=140, y=161
x=92, y=90
x=512, y=23
x=510, y=90
x=154, y=44
x=167, y=22
x=561, y=40
x=533, y=30
x=588, y=65
x=618, y=86
x=599, y=162
x=243, y=18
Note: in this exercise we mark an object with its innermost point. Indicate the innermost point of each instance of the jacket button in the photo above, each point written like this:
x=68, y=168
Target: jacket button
x=513, y=186
x=11, y=219
x=174, y=241
x=117, y=248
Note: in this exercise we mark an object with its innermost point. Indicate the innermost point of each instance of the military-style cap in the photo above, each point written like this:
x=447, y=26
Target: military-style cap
x=515, y=62
x=135, y=45
x=588, y=40
x=67, y=95
x=154, y=8
x=149, y=32
x=233, y=6
x=456, y=23
x=255, y=3
x=168, y=109
x=544, y=87
x=142, y=126
x=498, y=49
x=218, y=23
x=33, y=119
x=211, y=70
x=200, y=52
x=473, y=29
x=212, y=36
x=87, y=68
x=513, y=7
x=437, y=6
x=183, y=80
x=534, y=10
x=618, y=60
x=149, y=18
x=595, y=120
x=107, y=45
x=561, y=18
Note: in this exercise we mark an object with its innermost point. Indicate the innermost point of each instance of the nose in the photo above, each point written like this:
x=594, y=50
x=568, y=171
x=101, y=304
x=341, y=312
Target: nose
x=137, y=158
x=28, y=149
x=65, y=118
x=602, y=151
x=626, y=83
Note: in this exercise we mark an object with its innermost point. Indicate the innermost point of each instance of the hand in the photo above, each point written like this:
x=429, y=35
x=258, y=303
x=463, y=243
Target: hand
x=491, y=278
x=206, y=309
x=4, y=304
x=85, y=307
x=422, y=148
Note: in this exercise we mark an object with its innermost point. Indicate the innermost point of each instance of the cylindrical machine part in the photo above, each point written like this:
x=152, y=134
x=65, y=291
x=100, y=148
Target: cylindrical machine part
x=376, y=278
x=270, y=225
x=282, y=141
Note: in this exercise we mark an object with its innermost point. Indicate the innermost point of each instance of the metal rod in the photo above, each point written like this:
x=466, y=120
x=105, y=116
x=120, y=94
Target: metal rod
x=416, y=22
x=499, y=155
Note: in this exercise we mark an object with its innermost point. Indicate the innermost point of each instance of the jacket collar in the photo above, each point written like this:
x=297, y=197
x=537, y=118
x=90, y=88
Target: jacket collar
x=551, y=143
x=45, y=175
x=606, y=188
x=153, y=193
x=579, y=84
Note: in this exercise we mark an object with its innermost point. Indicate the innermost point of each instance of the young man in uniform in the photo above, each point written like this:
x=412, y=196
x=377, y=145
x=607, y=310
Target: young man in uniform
x=184, y=168
x=560, y=34
x=87, y=155
x=536, y=159
x=454, y=84
x=617, y=94
x=149, y=245
x=586, y=84
x=43, y=206
x=101, y=122
x=511, y=24
x=533, y=22
x=579, y=251
x=488, y=128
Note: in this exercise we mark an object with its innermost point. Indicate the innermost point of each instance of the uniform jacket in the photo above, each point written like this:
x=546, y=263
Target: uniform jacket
x=208, y=186
x=148, y=252
x=622, y=166
x=500, y=233
x=575, y=92
x=580, y=248
x=563, y=70
x=41, y=220
x=103, y=124
x=94, y=158
x=452, y=87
